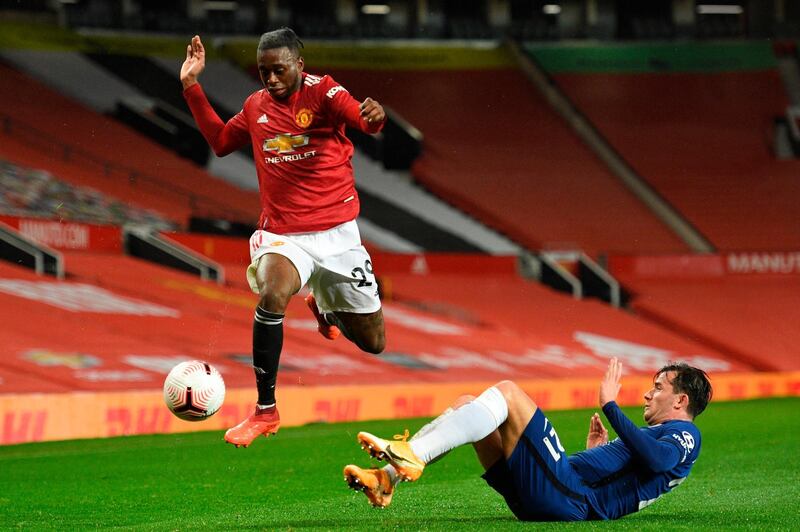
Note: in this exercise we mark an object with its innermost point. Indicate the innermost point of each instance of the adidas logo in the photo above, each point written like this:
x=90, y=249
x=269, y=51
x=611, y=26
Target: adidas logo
x=262, y=119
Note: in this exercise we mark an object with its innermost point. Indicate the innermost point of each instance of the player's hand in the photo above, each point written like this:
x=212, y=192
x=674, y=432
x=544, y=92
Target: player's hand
x=610, y=385
x=372, y=112
x=194, y=64
x=598, y=435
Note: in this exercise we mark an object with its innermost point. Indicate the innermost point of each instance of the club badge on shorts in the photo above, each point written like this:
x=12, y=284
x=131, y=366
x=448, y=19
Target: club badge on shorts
x=304, y=117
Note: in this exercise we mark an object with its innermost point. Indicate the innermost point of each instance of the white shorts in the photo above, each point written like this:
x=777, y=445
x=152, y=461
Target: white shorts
x=334, y=264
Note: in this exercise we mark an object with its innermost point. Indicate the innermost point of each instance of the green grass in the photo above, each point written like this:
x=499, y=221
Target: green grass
x=747, y=477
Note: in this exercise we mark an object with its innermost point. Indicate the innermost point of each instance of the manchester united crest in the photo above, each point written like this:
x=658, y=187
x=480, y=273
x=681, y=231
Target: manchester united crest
x=304, y=118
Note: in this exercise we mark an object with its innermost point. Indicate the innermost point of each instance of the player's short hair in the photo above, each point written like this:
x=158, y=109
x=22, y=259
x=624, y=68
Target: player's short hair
x=693, y=382
x=280, y=38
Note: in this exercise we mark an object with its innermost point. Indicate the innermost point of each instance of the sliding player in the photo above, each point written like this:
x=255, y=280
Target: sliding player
x=525, y=462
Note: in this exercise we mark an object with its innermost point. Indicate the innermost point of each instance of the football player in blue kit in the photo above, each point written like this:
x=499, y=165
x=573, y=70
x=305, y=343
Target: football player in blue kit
x=525, y=462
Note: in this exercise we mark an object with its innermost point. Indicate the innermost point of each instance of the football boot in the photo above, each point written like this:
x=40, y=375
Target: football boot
x=331, y=332
x=397, y=452
x=374, y=483
x=263, y=421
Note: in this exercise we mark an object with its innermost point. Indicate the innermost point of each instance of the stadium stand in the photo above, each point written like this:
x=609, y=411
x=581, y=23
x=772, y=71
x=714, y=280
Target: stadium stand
x=424, y=212
x=116, y=325
x=495, y=149
x=151, y=79
x=703, y=144
x=27, y=192
x=75, y=130
x=742, y=304
x=89, y=172
x=125, y=307
x=102, y=90
x=95, y=87
x=229, y=85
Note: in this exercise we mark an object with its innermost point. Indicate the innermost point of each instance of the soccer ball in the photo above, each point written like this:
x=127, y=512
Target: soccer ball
x=194, y=390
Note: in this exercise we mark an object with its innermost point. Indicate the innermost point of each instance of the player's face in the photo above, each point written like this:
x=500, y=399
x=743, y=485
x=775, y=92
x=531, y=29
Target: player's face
x=661, y=403
x=280, y=71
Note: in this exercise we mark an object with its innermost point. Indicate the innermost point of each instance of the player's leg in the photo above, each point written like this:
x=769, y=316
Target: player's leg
x=276, y=276
x=534, y=476
x=379, y=484
x=488, y=450
x=345, y=295
x=277, y=281
x=365, y=330
x=470, y=423
x=520, y=411
x=493, y=422
x=325, y=327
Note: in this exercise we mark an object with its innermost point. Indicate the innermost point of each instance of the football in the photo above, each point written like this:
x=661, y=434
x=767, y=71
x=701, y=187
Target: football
x=194, y=390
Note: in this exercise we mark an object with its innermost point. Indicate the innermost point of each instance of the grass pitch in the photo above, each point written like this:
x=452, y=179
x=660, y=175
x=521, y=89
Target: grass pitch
x=747, y=477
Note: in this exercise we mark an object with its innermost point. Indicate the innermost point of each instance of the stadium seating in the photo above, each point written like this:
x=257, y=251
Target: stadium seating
x=702, y=141
x=751, y=317
x=67, y=129
x=494, y=148
x=114, y=183
x=30, y=192
x=118, y=323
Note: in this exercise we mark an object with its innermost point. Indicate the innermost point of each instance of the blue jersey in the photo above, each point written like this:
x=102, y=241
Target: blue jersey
x=639, y=466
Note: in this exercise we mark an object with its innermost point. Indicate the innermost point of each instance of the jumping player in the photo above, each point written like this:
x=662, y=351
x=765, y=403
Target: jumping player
x=307, y=233
x=525, y=462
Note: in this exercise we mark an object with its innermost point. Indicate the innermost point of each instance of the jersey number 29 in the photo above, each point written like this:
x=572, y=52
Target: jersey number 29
x=361, y=274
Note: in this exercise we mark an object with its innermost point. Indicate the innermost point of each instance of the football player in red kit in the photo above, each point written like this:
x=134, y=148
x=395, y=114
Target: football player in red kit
x=307, y=233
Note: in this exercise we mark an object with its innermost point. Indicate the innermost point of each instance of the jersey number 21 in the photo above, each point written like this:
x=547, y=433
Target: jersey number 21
x=548, y=442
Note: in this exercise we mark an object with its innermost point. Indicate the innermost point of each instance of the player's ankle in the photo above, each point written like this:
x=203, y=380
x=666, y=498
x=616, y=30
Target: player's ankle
x=394, y=478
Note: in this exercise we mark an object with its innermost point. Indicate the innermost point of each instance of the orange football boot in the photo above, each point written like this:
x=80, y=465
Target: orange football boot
x=374, y=483
x=263, y=421
x=331, y=332
x=398, y=453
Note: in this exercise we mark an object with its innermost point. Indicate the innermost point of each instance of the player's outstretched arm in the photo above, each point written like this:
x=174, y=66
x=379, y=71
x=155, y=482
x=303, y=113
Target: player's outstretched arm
x=657, y=455
x=195, y=62
x=223, y=138
x=598, y=434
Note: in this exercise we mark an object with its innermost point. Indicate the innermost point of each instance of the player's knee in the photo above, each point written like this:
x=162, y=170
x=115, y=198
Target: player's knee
x=511, y=391
x=374, y=344
x=462, y=400
x=274, y=299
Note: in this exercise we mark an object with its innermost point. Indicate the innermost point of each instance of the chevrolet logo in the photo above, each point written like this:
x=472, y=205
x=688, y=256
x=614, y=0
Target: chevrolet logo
x=285, y=143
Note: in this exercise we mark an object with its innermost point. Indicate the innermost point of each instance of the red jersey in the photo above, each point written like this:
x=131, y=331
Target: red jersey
x=301, y=153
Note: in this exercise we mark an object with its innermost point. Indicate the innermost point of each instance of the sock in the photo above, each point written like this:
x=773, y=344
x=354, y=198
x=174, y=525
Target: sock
x=467, y=424
x=392, y=472
x=389, y=468
x=267, y=345
x=431, y=424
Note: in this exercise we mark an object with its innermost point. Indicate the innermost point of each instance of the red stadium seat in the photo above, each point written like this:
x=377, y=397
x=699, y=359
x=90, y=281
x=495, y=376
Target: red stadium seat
x=701, y=140
x=495, y=148
x=47, y=123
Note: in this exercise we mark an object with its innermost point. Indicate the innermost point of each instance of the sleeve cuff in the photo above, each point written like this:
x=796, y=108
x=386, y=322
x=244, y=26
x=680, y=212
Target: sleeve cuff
x=192, y=89
x=611, y=405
